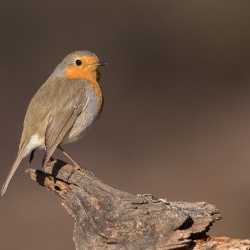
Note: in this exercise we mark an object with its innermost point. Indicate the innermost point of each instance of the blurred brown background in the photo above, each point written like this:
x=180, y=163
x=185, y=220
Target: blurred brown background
x=176, y=119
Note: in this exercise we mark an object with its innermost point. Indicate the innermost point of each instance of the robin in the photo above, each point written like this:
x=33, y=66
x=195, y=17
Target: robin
x=62, y=110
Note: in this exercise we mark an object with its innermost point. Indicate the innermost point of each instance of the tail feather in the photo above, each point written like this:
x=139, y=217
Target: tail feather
x=12, y=171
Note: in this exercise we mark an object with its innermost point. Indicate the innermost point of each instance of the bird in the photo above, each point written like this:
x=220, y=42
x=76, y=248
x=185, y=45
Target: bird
x=62, y=110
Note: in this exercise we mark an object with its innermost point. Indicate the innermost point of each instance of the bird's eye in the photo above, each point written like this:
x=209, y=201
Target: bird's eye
x=78, y=62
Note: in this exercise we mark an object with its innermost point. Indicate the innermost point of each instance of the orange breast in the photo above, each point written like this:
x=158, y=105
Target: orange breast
x=87, y=73
x=98, y=92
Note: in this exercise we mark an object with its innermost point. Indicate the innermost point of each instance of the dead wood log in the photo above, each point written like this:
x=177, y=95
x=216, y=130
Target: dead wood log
x=106, y=218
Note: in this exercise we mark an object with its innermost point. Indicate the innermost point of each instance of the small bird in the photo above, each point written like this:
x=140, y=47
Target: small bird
x=62, y=110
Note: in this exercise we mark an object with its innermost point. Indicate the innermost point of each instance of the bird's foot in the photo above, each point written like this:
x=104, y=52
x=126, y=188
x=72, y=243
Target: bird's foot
x=78, y=167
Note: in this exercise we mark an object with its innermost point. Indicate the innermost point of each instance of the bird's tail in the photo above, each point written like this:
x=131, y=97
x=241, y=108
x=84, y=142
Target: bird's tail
x=12, y=171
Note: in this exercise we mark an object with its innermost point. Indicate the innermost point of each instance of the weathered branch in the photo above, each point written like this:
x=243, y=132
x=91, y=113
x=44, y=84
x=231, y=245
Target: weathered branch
x=106, y=218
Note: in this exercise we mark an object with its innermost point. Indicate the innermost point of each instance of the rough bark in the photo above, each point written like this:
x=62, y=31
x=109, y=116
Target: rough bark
x=106, y=218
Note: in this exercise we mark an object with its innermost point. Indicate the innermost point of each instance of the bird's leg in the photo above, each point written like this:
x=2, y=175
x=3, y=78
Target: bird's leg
x=69, y=157
x=32, y=154
x=77, y=166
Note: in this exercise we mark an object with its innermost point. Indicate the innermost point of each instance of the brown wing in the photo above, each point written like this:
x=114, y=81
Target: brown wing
x=63, y=115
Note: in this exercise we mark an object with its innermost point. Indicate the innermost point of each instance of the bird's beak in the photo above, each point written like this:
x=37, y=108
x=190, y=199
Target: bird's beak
x=98, y=63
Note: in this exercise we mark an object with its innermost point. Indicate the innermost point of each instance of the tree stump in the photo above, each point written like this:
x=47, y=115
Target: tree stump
x=106, y=218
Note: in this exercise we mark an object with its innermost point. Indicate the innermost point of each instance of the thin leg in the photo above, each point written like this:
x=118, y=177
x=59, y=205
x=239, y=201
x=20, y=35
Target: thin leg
x=77, y=166
x=32, y=154
x=69, y=157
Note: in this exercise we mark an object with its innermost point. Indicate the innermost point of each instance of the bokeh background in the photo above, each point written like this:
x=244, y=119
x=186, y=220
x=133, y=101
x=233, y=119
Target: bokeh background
x=176, y=119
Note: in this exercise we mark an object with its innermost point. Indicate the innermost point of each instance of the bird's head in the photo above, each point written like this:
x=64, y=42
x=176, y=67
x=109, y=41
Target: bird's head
x=80, y=65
